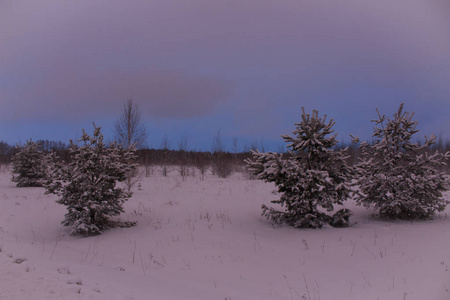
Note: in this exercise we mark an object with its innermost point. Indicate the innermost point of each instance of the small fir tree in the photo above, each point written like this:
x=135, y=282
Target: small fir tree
x=400, y=178
x=28, y=167
x=313, y=178
x=87, y=185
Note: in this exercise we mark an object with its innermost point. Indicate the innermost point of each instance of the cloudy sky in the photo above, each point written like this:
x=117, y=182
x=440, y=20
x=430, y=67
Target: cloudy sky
x=244, y=67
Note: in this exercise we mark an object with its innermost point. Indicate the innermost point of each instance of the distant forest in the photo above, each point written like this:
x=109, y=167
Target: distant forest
x=219, y=160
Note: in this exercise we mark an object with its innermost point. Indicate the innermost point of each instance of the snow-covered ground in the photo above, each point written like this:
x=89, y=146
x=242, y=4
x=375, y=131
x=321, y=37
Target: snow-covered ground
x=206, y=240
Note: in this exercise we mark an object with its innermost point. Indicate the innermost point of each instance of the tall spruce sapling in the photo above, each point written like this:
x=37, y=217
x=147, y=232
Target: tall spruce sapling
x=87, y=185
x=398, y=177
x=28, y=167
x=312, y=179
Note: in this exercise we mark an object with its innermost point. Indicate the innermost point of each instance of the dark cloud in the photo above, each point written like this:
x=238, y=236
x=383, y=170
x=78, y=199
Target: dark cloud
x=85, y=95
x=174, y=95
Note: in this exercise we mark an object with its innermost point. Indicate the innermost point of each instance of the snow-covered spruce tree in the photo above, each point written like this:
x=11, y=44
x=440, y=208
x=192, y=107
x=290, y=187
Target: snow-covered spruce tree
x=87, y=185
x=312, y=179
x=400, y=178
x=28, y=168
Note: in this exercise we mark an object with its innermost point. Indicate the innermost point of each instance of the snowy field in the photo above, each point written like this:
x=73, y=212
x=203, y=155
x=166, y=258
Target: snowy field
x=206, y=239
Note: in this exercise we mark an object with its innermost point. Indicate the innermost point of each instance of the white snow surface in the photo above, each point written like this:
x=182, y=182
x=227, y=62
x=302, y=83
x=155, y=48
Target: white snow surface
x=206, y=239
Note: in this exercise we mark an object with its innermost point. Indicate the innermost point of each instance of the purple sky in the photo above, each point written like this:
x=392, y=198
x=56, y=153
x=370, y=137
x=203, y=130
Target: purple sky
x=242, y=67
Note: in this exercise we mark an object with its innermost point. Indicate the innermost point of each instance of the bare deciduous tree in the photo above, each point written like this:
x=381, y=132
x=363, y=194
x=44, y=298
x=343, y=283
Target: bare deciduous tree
x=131, y=133
x=165, y=145
x=217, y=145
x=235, y=144
x=202, y=162
x=183, y=157
x=220, y=165
x=129, y=129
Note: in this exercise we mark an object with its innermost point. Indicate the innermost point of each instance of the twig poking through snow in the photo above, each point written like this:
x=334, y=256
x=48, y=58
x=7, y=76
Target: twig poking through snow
x=307, y=289
x=56, y=244
x=351, y=287
x=370, y=252
x=365, y=279
x=256, y=242
x=353, y=250
x=289, y=287
x=142, y=263
x=133, y=251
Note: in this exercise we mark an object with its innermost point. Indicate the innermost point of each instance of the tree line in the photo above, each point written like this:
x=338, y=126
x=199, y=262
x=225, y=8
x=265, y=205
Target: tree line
x=193, y=158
